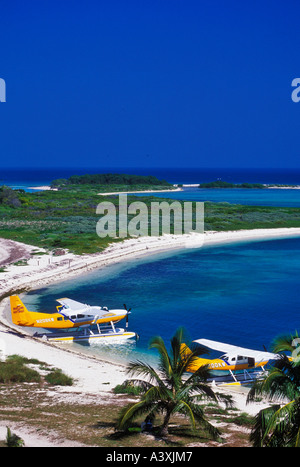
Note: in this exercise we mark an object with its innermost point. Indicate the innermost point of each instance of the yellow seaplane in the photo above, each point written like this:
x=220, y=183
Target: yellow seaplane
x=74, y=321
x=235, y=366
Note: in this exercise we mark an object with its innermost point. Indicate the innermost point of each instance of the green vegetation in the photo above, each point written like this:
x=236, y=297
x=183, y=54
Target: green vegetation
x=167, y=392
x=57, y=378
x=109, y=182
x=177, y=402
x=13, y=440
x=67, y=218
x=14, y=370
x=127, y=388
x=221, y=184
x=18, y=369
x=279, y=424
x=92, y=422
x=9, y=197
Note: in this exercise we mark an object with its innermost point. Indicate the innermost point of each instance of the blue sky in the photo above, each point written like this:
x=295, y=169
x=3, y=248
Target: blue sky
x=149, y=83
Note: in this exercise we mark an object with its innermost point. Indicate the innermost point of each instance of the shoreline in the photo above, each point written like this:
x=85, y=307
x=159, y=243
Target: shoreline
x=48, y=188
x=171, y=190
x=190, y=185
x=42, y=268
x=45, y=270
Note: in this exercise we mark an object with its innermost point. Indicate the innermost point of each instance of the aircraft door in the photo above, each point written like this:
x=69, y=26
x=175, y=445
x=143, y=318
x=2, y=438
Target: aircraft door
x=251, y=362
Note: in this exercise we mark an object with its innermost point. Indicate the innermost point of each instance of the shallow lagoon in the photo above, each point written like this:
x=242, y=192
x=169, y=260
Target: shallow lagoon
x=244, y=294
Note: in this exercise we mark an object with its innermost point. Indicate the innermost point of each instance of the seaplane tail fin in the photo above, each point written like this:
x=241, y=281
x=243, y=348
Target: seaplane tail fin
x=186, y=355
x=19, y=313
x=194, y=362
x=185, y=351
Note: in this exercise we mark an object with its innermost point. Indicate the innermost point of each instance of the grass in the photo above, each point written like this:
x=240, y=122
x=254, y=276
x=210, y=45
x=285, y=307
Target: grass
x=24, y=399
x=93, y=424
x=57, y=378
x=67, y=218
x=16, y=369
x=129, y=389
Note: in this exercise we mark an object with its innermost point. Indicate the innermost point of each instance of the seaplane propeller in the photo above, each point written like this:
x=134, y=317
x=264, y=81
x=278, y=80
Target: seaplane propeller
x=128, y=313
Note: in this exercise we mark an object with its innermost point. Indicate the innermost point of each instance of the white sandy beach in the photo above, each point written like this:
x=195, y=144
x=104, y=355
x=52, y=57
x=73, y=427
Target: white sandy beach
x=45, y=269
x=42, y=188
x=47, y=188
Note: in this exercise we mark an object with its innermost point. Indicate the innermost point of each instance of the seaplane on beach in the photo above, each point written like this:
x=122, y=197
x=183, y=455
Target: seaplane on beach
x=73, y=321
x=236, y=366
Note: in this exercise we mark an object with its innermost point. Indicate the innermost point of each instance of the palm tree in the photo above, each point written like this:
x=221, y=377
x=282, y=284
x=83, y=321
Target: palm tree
x=279, y=424
x=167, y=391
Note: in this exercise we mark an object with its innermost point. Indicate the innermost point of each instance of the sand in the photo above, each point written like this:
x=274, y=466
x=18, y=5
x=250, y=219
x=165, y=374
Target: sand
x=171, y=190
x=46, y=269
x=47, y=188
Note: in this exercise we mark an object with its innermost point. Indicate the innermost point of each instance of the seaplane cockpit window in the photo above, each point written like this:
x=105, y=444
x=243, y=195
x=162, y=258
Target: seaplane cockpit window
x=240, y=357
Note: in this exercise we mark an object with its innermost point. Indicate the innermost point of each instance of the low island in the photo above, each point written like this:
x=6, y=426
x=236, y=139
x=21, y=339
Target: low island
x=66, y=217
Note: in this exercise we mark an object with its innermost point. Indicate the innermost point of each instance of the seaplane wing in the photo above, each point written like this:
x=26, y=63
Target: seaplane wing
x=72, y=304
x=235, y=350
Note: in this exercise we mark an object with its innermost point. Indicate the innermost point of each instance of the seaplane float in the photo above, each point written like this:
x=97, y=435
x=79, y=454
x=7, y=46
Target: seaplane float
x=236, y=366
x=73, y=321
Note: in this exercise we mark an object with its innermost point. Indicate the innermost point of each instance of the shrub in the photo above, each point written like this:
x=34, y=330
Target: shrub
x=57, y=378
x=13, y=440
x=15, y=372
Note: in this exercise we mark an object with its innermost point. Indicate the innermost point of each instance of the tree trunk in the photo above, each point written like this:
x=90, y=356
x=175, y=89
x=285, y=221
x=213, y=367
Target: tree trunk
x=164, y=429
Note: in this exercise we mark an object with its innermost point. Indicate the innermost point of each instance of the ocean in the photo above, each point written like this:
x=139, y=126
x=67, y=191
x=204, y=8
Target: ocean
x=244, y=294
x=26, y=178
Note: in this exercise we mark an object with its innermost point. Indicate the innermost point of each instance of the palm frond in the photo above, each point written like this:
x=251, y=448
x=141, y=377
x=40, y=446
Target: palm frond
x=157, y=393
x=165, y=362
x=284, y=343
x=277, y=385
x=297, y=439
x=258, y=434
x=143, y=369
x=183, y=406
x=176, y=343
x=130, y=413
x=202, y=421
x=165, y=390
x=138, y=383
x=279, y=420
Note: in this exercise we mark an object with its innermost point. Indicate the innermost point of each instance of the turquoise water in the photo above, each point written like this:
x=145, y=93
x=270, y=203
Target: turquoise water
x=244, y=294
x=24, y=178
x=250, y=197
